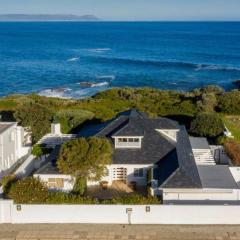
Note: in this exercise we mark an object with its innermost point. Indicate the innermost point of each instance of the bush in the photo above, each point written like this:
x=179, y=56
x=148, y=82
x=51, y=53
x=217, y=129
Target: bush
x=68, y=198
x=72, y=118
x=35, y=116
x=133, y=199
x=207, y=125
x=85, y=158
x=6, y=182
x=28, y=190
x=39, y=150
x=232, y=148
x=230, y=102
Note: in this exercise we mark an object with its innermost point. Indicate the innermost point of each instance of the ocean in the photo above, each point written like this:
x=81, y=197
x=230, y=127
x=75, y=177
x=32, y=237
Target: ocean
x=78, y=59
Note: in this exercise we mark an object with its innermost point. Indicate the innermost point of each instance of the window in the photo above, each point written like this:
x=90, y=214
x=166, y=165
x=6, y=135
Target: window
x=131, y=140
x=121, y=140
x=56, y=182
x=138, y=172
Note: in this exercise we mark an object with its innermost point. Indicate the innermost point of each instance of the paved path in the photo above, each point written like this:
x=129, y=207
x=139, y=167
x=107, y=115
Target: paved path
x=116, y=232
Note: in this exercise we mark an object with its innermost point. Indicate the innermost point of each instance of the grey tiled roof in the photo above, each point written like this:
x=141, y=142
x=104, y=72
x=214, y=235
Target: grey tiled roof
x=133, y=123
x=155, y=146
x=186, y=176
x=217, y=176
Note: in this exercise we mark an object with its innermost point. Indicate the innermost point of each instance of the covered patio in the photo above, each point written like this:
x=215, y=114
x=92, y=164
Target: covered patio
x=117, y=189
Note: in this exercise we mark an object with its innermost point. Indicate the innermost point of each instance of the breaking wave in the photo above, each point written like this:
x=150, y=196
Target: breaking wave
x=81, y=90
x=99, y=50
x=73, y=59
x=168, y=64
x=57, y=92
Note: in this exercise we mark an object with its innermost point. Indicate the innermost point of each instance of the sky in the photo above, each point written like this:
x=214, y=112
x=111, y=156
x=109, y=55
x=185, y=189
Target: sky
x=123, y=10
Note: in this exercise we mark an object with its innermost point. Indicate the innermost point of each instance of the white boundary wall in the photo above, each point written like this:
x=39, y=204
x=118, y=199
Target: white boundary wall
x=117, y=214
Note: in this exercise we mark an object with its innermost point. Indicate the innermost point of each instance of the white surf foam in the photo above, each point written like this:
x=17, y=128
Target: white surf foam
x=99, y=50
x=73, y=59
x=58, y=92
x=215, y=67
x=110, y=77
x=100, y=84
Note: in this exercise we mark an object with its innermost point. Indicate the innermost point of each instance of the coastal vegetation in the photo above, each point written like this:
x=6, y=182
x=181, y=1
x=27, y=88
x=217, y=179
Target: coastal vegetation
x=206, y=105
x=37, y=111
x=71, y=119
x=207, y=125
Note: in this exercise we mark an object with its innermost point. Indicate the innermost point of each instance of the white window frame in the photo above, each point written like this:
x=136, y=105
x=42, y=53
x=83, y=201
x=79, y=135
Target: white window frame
x=128, y=142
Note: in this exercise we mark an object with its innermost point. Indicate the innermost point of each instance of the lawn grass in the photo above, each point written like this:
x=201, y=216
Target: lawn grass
x=233, y=125
x=7, y=105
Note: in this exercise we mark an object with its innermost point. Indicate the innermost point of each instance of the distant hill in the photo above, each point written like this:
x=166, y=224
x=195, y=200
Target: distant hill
x=46, y=17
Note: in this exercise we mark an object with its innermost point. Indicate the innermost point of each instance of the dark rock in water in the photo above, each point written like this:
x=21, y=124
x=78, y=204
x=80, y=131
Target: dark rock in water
x=237, y=83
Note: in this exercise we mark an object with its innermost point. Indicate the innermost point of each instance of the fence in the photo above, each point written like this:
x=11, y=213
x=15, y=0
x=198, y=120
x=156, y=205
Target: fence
x=119, y=214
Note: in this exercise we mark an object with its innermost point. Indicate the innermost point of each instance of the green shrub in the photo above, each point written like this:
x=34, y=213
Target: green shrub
x=35, y=116
x=6, y=183
x=207, y=125
x=68, y=198
x=39, y=150
x=133, y=199
x=230, y=102
x=72, y=118
x=85, y=158
x=28, y=190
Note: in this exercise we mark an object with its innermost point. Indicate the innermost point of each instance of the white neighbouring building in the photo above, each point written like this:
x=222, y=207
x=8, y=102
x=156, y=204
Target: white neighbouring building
x=14, y=145
x=158, y=153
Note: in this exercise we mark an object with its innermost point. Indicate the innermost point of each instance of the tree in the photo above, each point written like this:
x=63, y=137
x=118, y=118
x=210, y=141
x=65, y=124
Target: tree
x=85, y=158
x=207, y=125
x=230, y=102
x=207, y=103
x=28, y=190
x=35, y=116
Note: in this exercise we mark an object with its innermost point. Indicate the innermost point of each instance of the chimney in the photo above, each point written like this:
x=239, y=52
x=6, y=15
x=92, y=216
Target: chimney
x=56, y=129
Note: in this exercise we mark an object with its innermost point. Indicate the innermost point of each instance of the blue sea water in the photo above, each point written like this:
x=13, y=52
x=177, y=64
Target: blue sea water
x=53, y=58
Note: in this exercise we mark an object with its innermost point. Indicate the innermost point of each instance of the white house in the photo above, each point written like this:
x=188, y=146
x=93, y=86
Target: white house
x=157, y=152
x=13, y=145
